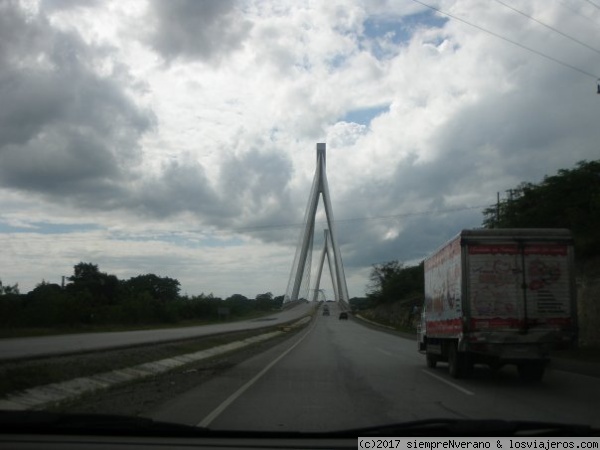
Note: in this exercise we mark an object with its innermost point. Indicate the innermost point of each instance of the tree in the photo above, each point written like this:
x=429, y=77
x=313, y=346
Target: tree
x=101, y=287
x=264, y=301
x=239, y=304
x=391, y=281
x=9, y=290
x=359, y=303
x=11, y=306
x=85, y=272
x=569, y=199
x=163, y=289
x=278, y=301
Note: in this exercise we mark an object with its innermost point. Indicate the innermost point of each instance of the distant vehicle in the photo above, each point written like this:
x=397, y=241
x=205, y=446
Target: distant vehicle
x=344, y=315
x=499, y=296
x=325, y=312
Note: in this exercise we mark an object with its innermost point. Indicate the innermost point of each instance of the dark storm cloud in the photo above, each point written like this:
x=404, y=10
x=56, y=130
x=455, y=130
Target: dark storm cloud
x=255, y=184
x=420, y=235
x=525, y=134
x=63, y=129
x=416, y=194
x=255, y=175
x=191, y=29
x=181, y=186
x=492, y=145
x=251, y=192
x=72, y=136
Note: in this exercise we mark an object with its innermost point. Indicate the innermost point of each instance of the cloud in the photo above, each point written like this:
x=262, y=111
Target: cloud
x=189, y=29
x=424, y=117
x=255, y=184
x=181, y=186
x=64, y=129
x=58, y=5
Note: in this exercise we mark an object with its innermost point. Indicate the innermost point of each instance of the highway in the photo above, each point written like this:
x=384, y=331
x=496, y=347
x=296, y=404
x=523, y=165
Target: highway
x=29, y=347
x=340, y=374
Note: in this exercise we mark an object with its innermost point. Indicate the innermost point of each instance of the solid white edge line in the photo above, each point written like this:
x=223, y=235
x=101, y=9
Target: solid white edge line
x=449, y=383
x=233, y=397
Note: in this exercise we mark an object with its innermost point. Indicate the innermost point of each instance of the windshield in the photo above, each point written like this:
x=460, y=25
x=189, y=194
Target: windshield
x=295, y=215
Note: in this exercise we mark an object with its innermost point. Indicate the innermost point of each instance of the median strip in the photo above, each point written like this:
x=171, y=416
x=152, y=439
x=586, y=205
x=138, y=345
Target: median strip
x=41, y=397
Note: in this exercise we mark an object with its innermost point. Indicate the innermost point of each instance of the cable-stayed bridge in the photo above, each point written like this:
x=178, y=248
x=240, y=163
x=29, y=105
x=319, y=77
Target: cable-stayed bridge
x=299, y=284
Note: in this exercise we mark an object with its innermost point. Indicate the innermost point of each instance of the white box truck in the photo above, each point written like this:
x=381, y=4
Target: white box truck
x=499, y=296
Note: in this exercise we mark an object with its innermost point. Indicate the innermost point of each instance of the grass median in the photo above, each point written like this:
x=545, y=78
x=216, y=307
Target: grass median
x=20, y=375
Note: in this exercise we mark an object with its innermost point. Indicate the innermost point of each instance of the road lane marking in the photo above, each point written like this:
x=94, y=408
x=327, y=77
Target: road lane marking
x=233, y=397
x=449, y=383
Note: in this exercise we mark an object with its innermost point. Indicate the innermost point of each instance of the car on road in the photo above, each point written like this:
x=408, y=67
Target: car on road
x=325, y=312
x=343, y=315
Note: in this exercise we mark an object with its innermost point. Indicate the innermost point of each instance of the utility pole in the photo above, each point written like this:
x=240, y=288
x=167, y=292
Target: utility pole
x=497, y=209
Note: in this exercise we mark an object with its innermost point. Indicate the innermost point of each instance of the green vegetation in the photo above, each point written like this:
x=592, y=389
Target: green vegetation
x=21, y=375
x=359, y=303
x=570, y=199
x=395, y=295
x=392, y=281
x=93, y=298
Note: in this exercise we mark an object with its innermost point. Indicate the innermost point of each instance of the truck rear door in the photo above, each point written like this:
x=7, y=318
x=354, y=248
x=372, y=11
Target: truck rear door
x=519, y=286
x=495, y=278
x=547, y=287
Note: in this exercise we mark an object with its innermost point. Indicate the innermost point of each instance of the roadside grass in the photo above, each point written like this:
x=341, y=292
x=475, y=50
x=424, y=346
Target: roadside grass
x=20, y=375
x=389, y=324
x=135, y=397
x=405, y=329
x=38, y=332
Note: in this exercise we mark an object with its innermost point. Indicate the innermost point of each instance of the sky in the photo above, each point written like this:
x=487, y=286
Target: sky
x=179, y=137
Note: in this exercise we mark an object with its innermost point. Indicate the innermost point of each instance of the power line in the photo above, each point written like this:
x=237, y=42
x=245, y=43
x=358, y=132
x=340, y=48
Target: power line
x=549, y=27
x=410, y=214
x=70, y=238
x=359, y=219
x=592, y=3
x=566, y=6
x=499, y=36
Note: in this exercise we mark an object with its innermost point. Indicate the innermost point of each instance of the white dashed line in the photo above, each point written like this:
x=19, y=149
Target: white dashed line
x=449, y=383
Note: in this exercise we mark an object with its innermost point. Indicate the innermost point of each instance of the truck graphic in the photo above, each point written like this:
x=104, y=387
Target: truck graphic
x=499, y=296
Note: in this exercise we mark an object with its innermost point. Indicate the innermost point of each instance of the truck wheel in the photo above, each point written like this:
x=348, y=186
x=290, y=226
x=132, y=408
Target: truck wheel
x=455, y=362
x=431, y=360
x=533, y=371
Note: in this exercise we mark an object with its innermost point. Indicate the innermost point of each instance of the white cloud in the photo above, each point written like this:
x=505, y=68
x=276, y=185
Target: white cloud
x=170, y=128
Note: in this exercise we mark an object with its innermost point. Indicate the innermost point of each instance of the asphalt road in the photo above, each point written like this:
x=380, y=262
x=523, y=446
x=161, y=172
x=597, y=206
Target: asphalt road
x=14, y=348
x=340, y=374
